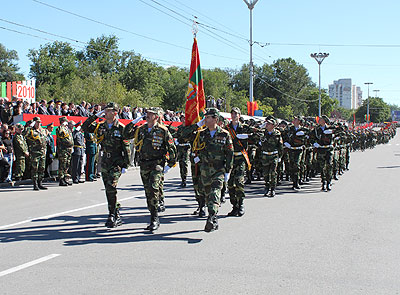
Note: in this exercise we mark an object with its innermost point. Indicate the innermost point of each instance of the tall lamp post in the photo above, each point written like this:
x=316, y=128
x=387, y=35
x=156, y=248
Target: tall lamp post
x=368, y=83
x=319, y=57
x=376, y=92
x=250, y=4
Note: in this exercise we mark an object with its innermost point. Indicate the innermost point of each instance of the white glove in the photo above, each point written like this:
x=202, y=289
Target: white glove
x=279, y=160
x=299, y=133
x=100, y=114
x=226, y=177
x=166, y=169
x=176, y=142
x=138, y=119
x=201, y=123
x=78, y=128
x=263, y=125
x=33, y=123
x=316, y=145
x=123, y=170
x=328, y=131
x=287, y=145
x=242, y=136
x=196, y=160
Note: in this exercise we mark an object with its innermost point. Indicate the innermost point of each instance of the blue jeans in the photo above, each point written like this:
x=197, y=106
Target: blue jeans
x=9, y=158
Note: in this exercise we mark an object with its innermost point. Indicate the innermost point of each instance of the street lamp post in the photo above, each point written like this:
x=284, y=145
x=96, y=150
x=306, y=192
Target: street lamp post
x=368, y=83
x=250, y=5
x=319, y=57
x=376, y=92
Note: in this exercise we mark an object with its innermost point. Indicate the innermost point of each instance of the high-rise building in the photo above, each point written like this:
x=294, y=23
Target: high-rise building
x=348, y=95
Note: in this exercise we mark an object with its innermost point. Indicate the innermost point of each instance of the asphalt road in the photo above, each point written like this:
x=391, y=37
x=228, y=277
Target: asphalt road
x=308, y=242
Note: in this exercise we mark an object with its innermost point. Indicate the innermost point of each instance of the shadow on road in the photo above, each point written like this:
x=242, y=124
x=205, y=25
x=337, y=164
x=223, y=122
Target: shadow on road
x=387, y=167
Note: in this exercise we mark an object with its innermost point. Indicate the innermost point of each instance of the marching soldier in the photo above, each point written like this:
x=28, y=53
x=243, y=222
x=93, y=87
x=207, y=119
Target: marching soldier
x=239, y=133
x=51, y=150
x=21, y=152
x=65, y=144
x=322, y=138
x=77, y=154
x=183, y=149
x=156, y=147
x=215, y=153
x=115, y=155
x=36, y=139
x=271, y=149
x=295, y=142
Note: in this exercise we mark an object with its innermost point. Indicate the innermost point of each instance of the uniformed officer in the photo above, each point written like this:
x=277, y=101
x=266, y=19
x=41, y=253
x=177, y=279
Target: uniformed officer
x=183, y=157
x=115, y=155
x=77, y=154
x=65, y=144
x=51, y=150
x=21, y=152
x=36, y=139
x=271, y=149
x=215, y=151
x=156, y=147
x=91, y=150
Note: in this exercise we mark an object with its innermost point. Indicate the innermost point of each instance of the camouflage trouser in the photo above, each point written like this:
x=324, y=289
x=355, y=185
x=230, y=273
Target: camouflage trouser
x=110, y=176
x=183, y=159
x=197, y=185
x=270, y=165
x=325, y=163
x=152, y=176
x=64, y=162
x=285, y=159
x=236, y=180
x=308, y=159
x=342, y=159
x=19, y=166
x=347, y=157
x=212, y=181
x=295, y=158
x=336, y=154
x=38, y=164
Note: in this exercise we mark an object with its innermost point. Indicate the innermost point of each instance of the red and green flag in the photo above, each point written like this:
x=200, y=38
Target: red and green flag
x=195, y=98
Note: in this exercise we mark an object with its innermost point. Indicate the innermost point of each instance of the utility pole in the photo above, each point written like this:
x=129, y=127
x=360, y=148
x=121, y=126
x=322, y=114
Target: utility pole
x=250, y=4
x=319, y=57
x=368, y=83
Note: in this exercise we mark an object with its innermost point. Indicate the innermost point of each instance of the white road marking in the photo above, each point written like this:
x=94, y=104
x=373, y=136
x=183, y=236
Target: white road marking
x=28, y=264
x=70, y=211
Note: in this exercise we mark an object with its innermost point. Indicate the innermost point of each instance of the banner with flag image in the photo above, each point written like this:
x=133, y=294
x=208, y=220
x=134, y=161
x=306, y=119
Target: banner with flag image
x=195, y=97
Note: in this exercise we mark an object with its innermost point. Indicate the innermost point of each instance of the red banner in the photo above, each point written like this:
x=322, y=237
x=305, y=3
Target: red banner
x=195, y=98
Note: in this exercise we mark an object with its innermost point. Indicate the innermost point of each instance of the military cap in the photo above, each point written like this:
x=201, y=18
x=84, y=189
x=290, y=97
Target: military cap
x=300, y=118
x=78, y=124
x=19, y=126
x=236, y=110
x=37, y=119
x=63, y=119
x=154, y=110
x=326, y=119
x=283, y=122
x=212, y=112
x=58, y=101
x=50, y=125
x=50, y=101
x=112, y=106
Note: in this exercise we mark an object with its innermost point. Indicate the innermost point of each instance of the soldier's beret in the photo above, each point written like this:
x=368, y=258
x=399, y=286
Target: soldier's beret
x=112, y=106
x=326, y=119
x=37, y=119
x=63, y=119
x=236, y=110
x=212, y=112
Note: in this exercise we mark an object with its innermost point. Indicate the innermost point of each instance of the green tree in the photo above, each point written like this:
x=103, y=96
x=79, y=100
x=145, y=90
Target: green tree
x=379, y=110
x=8, y=65
x=174, y=81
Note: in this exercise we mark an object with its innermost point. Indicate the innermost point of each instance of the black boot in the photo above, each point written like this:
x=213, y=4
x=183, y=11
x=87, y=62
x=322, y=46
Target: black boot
x=111, y=221
x=183, y=183
x=272, y=193
x=118, y=219
x=35, y=185
x=323, y=186
x=40, y=185
x=212, y=223
x=62, y=182
x=296, y=183
x=202, y=210
x=223, y=199
x=241, y=208
x=266, y=191
x=67, y=181
x=328, y=186
x=154, y=221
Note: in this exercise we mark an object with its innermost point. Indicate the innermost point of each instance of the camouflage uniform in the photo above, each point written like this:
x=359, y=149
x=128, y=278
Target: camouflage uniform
x=115, y=157
x=183, y=156
x=20, y=150
x=322, y=139
x=36, y=140
x=65, y=146
x=155, y=147
x=271, y=145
